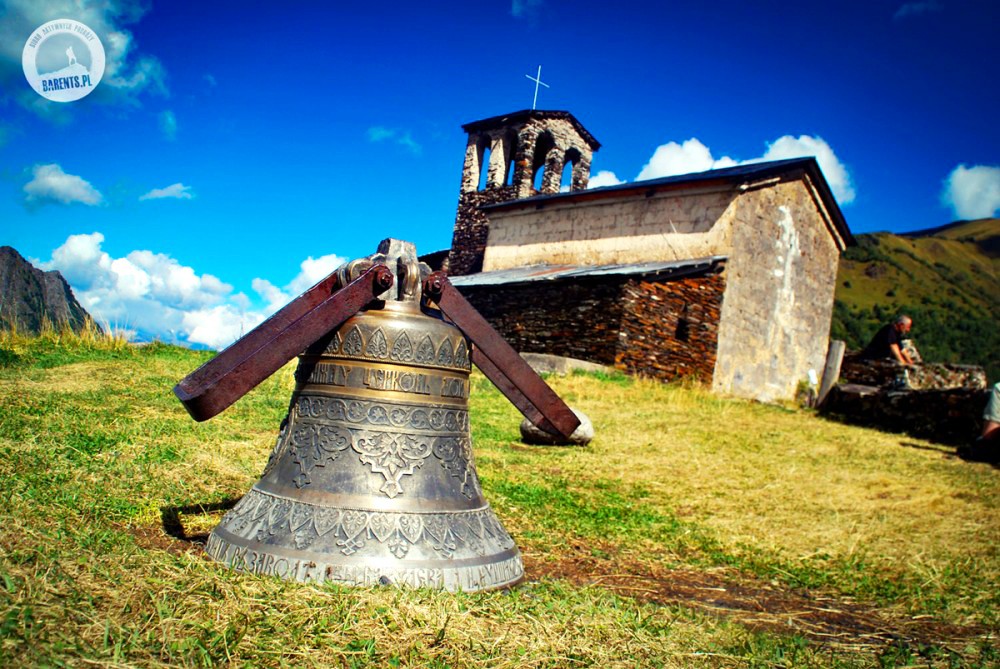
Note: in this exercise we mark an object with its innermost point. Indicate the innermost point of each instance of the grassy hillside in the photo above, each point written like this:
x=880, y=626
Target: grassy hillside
x=948, y=279
x=693, y=531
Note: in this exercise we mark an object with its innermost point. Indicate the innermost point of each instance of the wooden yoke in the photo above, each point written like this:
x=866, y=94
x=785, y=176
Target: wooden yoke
x=218, y=383
x=500, y=363
x=233, y=373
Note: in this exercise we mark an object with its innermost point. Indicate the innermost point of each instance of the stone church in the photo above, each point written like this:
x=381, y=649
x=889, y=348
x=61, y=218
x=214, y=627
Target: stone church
x=725, y=276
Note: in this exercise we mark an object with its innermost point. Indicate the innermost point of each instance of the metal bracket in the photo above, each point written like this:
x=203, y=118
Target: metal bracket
x=218, y=383
x=500, y=363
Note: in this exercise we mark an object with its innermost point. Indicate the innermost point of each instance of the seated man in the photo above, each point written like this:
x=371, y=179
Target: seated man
x=885, y=345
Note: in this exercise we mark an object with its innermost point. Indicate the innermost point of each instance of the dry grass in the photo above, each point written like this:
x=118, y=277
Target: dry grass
x=785, y=482
x=94, y=451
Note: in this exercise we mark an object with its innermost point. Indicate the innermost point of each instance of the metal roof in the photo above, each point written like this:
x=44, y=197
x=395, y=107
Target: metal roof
x=733, y=176
x=534, y=273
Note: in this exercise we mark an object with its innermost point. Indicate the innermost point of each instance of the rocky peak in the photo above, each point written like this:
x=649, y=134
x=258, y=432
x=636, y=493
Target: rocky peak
x=29, y=296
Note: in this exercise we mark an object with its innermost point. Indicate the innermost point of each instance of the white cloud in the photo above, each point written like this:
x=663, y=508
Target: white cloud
x=51, y=184
x=311, y=271
x=153, y=296
x=168, y=125
x=177, y=191
x=604, y=178
x=803, y=146
x=973, y=192
x=378, y=133
x=520, y=9
x=126, y=74
x=918, y=8
x=273, y=296
x=673, y=158
x=692, y=156
x=218, y=326
x=407, y=141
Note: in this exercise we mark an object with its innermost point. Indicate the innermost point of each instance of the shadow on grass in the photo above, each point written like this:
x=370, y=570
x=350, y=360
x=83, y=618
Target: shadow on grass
x=973, y=455
x=180, y=521
x=939, y=448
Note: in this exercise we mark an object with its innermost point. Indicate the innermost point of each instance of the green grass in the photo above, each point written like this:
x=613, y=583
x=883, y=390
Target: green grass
x=94, y=450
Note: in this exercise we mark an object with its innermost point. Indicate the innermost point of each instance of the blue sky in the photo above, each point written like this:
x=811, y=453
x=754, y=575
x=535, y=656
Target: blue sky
x=234, y=153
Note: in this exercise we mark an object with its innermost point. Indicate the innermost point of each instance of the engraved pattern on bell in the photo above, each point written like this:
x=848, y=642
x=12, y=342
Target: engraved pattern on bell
x=402, y=349
x=425, y=351
x=260, y=514
x=392, y=455
x=392, y=344
x=377, y=346
x=316, y=446
x=372, y=476
x=419, y=417
x=354, y=343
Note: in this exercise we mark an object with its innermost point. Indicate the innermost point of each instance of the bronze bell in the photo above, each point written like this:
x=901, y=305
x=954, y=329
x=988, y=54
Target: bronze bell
x=372, y=479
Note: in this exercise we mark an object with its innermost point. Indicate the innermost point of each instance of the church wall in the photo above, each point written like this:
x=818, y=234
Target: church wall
x=626, y=229
x=662, y=329
x=578, y=319
x=468, y=240
x=510, y=155
x=564, y=137
x=775, y=319
x=669, y=329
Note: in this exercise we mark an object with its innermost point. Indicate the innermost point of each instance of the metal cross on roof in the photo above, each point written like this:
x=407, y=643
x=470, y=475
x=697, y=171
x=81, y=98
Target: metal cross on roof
x=538, y=80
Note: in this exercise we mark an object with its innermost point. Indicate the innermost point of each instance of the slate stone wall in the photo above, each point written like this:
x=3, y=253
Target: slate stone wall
x=576, y=319
x=888, y=374
x=670, y=329
x=952, y=416
x=662, y=329
x=472, y=228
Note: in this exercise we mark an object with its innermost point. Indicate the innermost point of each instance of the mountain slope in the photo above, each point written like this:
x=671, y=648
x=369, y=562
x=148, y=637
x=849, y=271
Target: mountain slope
x=947, y=279
x=30, y=297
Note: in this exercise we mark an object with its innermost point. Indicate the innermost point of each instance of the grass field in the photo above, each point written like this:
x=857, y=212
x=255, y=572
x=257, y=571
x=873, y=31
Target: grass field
x=693, y=531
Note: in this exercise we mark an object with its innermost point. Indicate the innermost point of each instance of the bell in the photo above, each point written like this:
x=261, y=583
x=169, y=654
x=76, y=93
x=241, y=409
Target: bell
x=372, y=479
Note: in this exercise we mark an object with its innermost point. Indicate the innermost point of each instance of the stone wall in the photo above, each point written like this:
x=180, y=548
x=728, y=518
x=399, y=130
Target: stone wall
x=670, y=329
x=577, y=319
x=468, y=242
x=782, y=270
x=628, y=228
x=888, y=374
x=516, y=152
x=953, y=416
x=662, y=329
x=546, y=144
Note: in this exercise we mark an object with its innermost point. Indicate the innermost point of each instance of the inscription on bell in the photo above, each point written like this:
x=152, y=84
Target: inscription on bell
x=331, y=375
x=390, y=379
x=373, y=378
x=452, y=387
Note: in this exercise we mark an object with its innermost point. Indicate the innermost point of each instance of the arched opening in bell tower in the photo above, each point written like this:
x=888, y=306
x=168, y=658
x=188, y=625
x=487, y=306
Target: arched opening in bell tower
x=570, y=160
x=482, y=162
x=543, y=145
x=510, y=157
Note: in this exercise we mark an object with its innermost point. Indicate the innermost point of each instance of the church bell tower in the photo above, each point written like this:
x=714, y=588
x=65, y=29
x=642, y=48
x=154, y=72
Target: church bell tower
x=514, y=156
